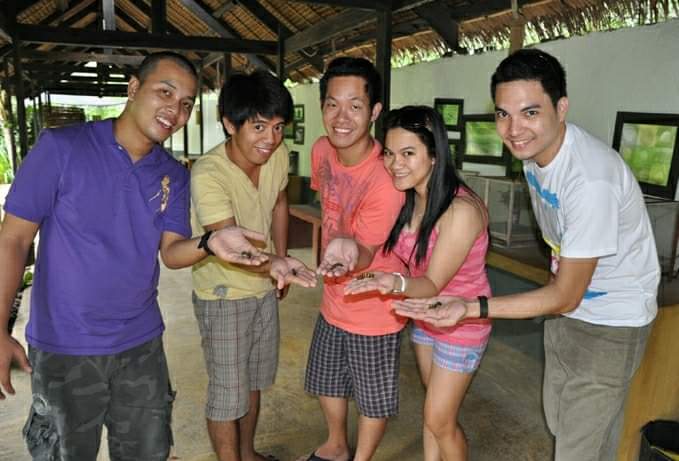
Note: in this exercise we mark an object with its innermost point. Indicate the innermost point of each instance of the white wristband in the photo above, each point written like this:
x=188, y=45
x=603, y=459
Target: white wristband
x=402, y=287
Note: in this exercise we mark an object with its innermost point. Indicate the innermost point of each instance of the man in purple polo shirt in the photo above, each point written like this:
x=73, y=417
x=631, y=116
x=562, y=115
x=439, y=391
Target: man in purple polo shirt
x=107, y=199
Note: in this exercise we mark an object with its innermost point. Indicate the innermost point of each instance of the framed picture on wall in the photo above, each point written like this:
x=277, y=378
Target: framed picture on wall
x=298, y=113
x=451, y=110
x=455, y=147
x=649, y=144
x=299, y=134
x=289, y=131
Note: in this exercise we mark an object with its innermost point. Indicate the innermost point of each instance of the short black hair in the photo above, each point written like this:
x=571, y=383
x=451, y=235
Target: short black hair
x=532, y=64
x=151, y=61
x=246, y=96
x=354, y=67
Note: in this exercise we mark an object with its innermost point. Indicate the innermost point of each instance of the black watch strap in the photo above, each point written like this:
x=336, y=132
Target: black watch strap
x=203, y=243
x=483, y=307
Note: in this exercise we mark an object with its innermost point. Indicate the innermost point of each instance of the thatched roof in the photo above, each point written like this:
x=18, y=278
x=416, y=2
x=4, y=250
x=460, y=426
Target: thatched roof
x=312, y=31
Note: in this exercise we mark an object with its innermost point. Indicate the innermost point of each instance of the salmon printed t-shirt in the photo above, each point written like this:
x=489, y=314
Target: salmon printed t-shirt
x=358, y=202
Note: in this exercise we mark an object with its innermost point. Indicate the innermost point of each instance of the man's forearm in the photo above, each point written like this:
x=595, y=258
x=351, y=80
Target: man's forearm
x=13, y=257
x=547, y=300
x=183, y=253
x=279, y=226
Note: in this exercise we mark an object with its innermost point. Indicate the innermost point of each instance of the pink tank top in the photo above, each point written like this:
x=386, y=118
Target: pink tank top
x=468, y=282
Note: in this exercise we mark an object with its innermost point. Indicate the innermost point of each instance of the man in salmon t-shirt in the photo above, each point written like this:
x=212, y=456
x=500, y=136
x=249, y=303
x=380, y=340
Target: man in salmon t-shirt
x=355, y=348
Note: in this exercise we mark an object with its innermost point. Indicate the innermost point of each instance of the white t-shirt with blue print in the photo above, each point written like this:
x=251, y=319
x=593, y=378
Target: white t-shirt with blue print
x=588, y=204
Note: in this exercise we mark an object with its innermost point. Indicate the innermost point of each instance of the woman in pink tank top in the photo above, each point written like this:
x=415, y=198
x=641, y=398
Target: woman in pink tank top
x=442, y=236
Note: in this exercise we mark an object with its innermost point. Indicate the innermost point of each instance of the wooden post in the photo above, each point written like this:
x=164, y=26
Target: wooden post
x=21, y=109
x=383, y=64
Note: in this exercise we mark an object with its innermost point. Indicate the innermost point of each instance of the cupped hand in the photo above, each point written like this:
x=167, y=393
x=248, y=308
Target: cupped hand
x=439, y=311
x=384, y=282
x=340, y=258
x=231, y=244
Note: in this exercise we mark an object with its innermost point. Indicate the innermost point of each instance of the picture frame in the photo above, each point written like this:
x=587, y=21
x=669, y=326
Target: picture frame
x=298, y=134
x=298, y=113
x=649, y=144
x=452, y=111
x=289, y=131
x=455, y=148
x=482, y=144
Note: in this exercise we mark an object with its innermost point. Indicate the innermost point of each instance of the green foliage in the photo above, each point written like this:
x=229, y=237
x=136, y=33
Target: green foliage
x=6, y=174
x=103, y=112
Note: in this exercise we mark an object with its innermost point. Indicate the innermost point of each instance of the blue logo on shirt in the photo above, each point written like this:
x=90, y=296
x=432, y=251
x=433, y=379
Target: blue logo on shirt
x=545, y=194
x=590, y=294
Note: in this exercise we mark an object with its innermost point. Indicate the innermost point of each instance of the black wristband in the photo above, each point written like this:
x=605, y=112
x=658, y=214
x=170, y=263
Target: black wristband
x=483, y=307
x=203, y=243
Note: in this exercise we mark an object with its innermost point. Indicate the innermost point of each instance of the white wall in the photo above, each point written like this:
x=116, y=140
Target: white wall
x=634, y=69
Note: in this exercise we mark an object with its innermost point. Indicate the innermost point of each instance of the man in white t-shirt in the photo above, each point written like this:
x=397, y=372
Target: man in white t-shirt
x=605, y=269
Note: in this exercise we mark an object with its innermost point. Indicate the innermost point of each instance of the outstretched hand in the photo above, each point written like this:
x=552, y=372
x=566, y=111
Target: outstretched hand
x=384, y=282
x=231, y=244
x=340, y=258
x=10, y=350
x=291, y=270
x=440, y=311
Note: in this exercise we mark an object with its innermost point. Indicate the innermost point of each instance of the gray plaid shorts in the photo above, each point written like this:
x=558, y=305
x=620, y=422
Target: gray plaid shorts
x=73, y=396
x=344, y=365
x=240, y=343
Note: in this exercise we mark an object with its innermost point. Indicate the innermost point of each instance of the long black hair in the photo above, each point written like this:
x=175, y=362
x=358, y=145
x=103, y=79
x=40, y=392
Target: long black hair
x=444, y=183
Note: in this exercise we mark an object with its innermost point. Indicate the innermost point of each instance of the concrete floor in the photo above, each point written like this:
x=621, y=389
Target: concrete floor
x=501, y=414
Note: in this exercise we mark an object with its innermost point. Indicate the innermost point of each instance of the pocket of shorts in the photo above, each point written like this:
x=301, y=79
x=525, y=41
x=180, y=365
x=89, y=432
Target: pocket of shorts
x=40, y=434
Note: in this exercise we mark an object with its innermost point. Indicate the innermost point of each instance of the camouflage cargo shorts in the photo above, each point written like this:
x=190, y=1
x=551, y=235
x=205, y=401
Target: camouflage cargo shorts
x=73, y=396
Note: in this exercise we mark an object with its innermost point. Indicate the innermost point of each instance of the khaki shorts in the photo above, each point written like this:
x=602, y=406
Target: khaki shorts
x=240, y=343
x=588, y=369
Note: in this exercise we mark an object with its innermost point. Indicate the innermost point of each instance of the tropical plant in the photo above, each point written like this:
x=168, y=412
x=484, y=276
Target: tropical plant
x=6, y=173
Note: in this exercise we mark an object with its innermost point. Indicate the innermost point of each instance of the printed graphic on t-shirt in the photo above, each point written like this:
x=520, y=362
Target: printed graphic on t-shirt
x=546, y=195
x=163, y=193
x=554, y=269
x=341, y=195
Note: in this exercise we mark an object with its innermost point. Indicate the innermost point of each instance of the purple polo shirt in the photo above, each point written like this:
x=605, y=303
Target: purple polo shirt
x=101, y=219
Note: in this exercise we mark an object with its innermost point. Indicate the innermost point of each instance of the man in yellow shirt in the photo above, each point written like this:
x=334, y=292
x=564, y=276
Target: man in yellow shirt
x=236, y=306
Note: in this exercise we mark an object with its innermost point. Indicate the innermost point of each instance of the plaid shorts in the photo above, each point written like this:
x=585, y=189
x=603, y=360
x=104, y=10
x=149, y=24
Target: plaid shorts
x=344, y=365
x=240, y=343
x=452, y=357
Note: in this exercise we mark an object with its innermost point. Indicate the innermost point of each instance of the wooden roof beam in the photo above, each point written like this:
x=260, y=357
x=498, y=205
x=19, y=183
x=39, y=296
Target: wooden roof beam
x=371, y=5
x=440, y=18
x=326, y=29
x=220, y=28
x=4, y=28
x=274, y=25
x=137, y=40
x=115, y=59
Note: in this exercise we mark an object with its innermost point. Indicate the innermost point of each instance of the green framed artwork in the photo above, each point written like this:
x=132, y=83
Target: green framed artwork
x=649, y=144
x=299, y=134
x=455, y=147
x=289, y=131
x=451, y=110
x=298, y=113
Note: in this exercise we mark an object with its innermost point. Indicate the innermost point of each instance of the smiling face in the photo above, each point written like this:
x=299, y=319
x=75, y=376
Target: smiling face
x=407, y=160
x=255, y=141
x=527, y=121
x=162, y=103
x=347, y=114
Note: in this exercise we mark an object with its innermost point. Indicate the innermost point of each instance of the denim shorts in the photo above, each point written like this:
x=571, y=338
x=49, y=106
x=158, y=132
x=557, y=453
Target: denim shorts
x=453, y=357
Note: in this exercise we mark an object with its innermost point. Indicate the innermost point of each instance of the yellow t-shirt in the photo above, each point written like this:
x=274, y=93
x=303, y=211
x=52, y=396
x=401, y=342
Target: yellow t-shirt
x=221, y=190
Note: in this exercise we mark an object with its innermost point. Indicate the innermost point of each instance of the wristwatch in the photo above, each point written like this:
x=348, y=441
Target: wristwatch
x=202, y=244
x=402, y=285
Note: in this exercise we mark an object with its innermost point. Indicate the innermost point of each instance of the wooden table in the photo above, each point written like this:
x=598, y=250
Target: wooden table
x=312, y=215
